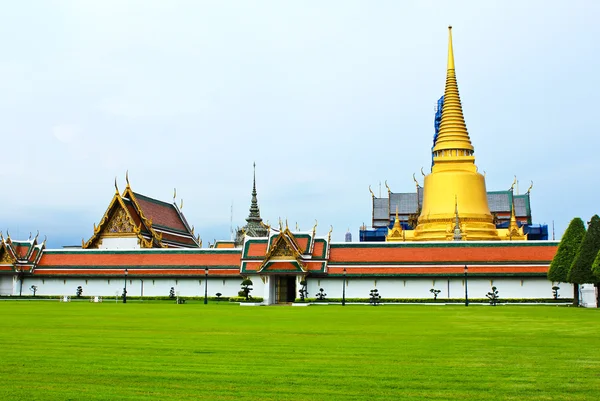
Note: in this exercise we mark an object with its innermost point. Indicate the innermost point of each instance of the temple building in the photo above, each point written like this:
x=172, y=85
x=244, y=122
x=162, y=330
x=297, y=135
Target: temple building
x=134, y=221
x=453, y=196
x=449, y=230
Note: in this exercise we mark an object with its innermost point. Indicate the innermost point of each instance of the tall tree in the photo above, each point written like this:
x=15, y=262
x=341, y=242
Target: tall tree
x=596, y=273
x=581, y=269
x=567, y=250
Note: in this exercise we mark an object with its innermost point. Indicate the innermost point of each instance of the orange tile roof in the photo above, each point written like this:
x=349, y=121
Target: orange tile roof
x=138, y=258
x=432, y=254
x=161, y=213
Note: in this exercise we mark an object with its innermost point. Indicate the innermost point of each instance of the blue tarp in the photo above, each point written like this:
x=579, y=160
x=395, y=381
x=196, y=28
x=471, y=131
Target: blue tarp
x=436, y=123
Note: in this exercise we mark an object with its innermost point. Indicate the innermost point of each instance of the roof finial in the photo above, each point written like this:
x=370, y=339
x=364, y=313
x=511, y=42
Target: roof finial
x=529, y=189
x=116, y=187
x=450, y=50
x=371, y=191
x=127, y=178
x=174, y=194
x=181, y=205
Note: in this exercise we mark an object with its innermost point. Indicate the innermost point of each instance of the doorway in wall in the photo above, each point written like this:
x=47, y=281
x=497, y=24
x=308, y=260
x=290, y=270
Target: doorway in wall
x=286, y=289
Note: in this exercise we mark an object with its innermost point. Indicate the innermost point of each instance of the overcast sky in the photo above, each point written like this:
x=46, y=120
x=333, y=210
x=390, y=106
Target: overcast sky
x=327, y=97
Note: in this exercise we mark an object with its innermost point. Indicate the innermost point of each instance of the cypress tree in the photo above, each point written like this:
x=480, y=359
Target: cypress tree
x=596, y=273
x=581, y=269
x=567, y=250
x=596, y=267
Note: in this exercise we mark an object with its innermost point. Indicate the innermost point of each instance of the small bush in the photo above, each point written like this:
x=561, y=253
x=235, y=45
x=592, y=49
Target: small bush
x=493, y=296
x=321, y=295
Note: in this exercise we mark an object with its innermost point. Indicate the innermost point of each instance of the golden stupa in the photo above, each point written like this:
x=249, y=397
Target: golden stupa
x=454, y=192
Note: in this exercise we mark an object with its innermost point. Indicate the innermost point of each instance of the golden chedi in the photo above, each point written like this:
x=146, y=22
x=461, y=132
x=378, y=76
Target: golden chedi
x=454, y=189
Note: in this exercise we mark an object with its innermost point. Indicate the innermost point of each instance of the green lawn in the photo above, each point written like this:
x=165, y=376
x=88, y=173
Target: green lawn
x=109, y=351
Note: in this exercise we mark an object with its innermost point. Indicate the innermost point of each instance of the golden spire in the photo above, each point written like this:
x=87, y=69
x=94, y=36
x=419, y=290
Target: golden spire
x=457, y=230
x=514, y=232
x=453, y=139
x=395, y=233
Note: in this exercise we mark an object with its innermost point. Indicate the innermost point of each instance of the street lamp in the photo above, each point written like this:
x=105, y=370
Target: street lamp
x=205, y=285
x=344, y=288
x=466, y=292
x=125, y=288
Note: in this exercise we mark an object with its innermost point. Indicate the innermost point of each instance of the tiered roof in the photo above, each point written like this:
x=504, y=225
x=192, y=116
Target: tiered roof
x=155, y=223
x=20, y=256
x=284, y=251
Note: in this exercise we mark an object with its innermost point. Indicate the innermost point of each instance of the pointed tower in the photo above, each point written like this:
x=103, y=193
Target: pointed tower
x=454, y=175
x=254, y=228
x=396, y=233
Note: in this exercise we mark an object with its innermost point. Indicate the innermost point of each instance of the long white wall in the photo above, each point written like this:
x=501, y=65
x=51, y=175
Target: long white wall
x=449, y=288
x=148, y=287
x=355, y=287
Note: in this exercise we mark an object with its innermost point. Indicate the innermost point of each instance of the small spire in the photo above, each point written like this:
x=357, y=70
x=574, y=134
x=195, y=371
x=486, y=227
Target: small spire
x=457, y=230
x=396, y=233
x=254, y=226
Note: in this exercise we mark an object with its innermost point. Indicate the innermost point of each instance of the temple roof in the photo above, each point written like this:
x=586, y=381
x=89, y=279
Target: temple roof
x=20, y=255
x=155, y=223
x=500, y=202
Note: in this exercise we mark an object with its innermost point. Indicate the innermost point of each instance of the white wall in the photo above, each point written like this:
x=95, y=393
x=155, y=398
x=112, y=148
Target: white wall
x=137, y=286
x=355, y=288
x=6, y=285
x=119, y=243
x=420, y=287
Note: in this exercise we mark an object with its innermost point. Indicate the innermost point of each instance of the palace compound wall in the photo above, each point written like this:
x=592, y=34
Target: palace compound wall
x=278, y=263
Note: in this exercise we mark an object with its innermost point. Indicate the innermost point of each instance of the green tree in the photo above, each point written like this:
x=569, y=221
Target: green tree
x=581, y=269
x=596, y=273
x=565, y=255
x=567, y=250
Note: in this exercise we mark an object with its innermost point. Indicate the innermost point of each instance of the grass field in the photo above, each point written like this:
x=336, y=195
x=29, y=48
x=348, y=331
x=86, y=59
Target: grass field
x=108, y=351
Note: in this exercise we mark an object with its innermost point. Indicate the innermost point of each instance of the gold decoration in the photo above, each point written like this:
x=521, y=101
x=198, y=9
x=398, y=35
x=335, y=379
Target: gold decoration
x=396, y=233
x=282, y=250
x=119, y=223
x=6, y=258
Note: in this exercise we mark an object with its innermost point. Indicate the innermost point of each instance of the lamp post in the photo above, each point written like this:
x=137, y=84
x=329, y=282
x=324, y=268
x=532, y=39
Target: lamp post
x=205, y=285
x=466, y=292
x=125, y=288
x=344, y=288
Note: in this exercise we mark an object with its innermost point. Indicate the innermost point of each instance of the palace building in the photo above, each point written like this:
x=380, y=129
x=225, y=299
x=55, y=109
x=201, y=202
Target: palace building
x=433, y=238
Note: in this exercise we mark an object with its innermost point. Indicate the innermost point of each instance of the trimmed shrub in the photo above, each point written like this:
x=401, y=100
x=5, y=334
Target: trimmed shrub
x=581, y=269
x=246, y=283
x=493, y=296
x=567, y=251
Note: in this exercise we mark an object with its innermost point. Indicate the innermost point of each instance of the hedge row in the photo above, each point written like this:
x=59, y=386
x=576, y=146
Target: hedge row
x=243, y=299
